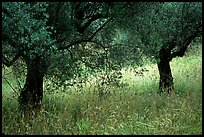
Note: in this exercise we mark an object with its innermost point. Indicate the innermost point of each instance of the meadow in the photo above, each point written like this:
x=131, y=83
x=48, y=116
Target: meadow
x=132, y=109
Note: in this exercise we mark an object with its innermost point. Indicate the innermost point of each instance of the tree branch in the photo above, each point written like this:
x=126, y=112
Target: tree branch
x=99, y=29
x=91, y=37
x=105, y=23
x=78, y=42
x=92, y=19
x=186, y=43
x=11, y=86
x=14, y=44
x=9, y=63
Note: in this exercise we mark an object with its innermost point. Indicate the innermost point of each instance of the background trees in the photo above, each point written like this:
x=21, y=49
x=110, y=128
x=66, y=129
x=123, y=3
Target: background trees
x=162, y=32
x=171, y=29
x=56, y=40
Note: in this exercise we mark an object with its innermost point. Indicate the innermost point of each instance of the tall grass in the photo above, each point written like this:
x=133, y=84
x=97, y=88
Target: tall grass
x=132, y=109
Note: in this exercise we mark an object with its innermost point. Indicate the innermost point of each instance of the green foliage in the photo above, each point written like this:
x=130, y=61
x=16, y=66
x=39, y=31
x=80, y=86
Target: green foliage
x=136, y=31
x=132, y=37
x=27, y=26
x=162, y=22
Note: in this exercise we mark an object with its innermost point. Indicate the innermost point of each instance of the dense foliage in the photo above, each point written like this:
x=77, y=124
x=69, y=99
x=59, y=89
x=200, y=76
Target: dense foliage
x=65, y=41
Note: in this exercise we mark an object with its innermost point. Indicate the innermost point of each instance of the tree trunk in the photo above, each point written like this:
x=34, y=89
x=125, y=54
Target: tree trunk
x=166, y=79
x=32, y=94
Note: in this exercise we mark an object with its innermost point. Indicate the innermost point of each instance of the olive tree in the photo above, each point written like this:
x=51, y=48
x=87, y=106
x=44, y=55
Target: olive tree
x=25, y=34
x=181, y=24
x=161, y=31
x=166, y=30
x=48, y=38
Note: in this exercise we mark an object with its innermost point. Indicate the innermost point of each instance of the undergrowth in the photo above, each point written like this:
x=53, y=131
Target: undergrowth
x=131, y=109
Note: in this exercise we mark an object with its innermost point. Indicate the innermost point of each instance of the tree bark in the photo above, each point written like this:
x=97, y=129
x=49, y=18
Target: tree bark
x=166, y=79
x=32, y=94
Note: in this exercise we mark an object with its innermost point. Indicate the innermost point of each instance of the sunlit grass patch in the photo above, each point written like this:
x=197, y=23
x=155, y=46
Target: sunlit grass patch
x=132, y=109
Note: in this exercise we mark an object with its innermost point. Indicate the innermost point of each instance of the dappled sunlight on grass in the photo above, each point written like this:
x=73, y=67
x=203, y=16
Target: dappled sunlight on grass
x=135, y=108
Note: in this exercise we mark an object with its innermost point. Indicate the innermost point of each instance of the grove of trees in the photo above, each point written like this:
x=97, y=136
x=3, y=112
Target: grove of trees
x=53, y=39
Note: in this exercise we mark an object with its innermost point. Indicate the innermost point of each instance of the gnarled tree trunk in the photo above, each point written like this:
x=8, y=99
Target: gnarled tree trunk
x=166, y=79
x=32, y=94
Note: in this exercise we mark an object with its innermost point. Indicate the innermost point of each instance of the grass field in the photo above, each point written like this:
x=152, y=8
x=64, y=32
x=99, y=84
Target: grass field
x=132, y=109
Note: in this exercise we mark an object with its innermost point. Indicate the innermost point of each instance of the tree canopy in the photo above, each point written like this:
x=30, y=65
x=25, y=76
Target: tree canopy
x=61, y=40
